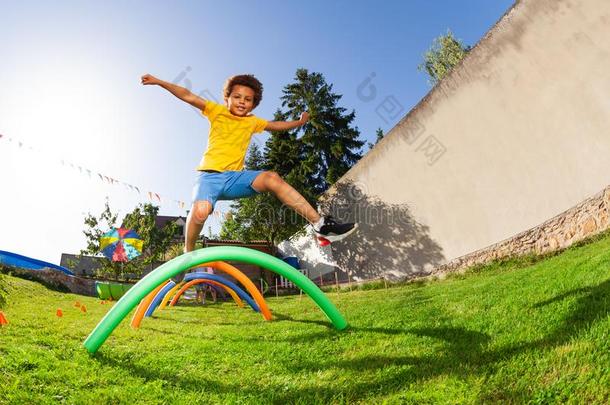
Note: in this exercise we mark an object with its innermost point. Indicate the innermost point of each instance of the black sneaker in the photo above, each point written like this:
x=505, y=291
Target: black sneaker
x=331, y=231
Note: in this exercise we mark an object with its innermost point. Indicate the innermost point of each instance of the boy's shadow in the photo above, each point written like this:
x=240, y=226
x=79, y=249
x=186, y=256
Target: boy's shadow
x=389, y=242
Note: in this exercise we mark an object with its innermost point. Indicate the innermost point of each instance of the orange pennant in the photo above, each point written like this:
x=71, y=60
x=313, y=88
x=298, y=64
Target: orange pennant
x=3, y=320
x=59, y=313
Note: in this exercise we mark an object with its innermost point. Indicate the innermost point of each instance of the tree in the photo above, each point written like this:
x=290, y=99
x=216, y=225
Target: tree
x=254, y=218
x=177, y=249
x=379, y=134
x=156, y=240
x=255, y=159
x=444, y=54
x=330, y=145
x=142, y=221
x=96, y=226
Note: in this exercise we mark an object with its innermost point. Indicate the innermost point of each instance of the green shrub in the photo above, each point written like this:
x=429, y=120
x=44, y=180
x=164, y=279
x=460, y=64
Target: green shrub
x=3, y=289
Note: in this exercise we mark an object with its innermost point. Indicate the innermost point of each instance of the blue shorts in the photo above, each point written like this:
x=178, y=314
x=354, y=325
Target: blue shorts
x=229, y=185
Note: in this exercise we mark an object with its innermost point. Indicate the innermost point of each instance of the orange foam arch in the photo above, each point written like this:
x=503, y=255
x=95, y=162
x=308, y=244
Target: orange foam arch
x=191, y=283
x=144, y=304
x=246, y=282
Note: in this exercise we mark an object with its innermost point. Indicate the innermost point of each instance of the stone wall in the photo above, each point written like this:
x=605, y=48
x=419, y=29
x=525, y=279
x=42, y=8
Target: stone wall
x=579, y=222
x=58, y=280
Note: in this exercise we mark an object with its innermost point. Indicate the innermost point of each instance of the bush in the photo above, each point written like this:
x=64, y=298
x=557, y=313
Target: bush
x=3, y=287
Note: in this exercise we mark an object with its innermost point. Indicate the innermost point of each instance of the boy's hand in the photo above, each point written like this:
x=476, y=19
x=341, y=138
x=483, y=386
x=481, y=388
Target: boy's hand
x=286, y=125
x=304, y=118
x=180, y=92
x=149, y=79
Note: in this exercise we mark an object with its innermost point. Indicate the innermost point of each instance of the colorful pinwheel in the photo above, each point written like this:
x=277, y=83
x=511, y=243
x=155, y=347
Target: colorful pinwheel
x=121, y=245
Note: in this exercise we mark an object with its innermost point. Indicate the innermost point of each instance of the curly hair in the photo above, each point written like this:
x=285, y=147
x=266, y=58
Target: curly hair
x=244, y=80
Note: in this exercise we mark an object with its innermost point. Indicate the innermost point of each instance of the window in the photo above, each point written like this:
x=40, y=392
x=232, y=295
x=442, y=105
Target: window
x=180, y=230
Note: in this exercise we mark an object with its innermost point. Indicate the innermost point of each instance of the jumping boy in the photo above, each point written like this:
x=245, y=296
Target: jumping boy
x=221, y=175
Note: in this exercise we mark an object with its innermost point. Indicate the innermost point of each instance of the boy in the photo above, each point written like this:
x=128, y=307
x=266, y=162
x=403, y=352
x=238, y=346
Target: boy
x=220, y=172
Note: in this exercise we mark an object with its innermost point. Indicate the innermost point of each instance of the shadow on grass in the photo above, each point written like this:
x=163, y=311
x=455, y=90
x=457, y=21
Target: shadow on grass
x=465, y=353
x=169, y=376
x=592, y=306
x=169, y=332
x=280, y=317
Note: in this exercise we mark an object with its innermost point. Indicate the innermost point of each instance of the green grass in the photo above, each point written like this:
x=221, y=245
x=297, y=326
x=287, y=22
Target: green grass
x=517, y=332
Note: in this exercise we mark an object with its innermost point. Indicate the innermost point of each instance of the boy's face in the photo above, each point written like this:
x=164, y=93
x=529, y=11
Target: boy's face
x=241, y=100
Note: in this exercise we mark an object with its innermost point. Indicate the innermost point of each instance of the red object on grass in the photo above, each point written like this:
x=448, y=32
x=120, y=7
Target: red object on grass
x=3, y=320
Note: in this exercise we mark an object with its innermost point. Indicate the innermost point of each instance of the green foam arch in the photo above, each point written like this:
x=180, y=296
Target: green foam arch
x=176, y=266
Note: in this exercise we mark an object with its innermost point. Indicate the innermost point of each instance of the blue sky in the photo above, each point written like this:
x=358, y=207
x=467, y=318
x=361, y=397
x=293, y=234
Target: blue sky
x=70, y=90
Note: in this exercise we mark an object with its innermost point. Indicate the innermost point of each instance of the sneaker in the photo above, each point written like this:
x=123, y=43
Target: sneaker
x=331, y=231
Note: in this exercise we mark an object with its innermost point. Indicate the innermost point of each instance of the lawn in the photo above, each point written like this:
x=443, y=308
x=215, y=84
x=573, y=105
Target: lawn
x=537, y=333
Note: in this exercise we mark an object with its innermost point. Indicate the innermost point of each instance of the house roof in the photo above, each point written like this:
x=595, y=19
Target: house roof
x=161, y=220
x=235, y=242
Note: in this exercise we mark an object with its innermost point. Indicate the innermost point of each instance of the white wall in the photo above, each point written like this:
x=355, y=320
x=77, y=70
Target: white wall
x=518, y=133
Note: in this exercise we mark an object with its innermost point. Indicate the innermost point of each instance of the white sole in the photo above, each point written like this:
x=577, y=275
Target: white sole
x=335, y=238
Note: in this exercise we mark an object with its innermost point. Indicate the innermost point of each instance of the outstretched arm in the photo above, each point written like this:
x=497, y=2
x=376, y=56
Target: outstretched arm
x=180, y=92
x=285, y=125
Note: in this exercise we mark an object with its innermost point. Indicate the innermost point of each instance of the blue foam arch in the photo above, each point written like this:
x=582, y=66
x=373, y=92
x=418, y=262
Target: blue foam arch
x=157, y=300
x=241, y=293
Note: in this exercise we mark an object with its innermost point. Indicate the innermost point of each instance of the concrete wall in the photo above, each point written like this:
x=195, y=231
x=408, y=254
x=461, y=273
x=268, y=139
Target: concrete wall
x=518, y=133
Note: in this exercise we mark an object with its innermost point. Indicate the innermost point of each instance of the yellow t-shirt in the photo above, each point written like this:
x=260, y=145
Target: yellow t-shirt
x=229, y=138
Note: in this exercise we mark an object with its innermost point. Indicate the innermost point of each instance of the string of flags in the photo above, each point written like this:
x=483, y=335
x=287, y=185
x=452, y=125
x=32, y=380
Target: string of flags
x=151, y=195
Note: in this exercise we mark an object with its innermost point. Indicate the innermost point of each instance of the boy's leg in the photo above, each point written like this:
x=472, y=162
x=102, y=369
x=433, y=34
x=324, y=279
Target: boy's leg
x=194, y=223
x=272, y=182
x=326, y=228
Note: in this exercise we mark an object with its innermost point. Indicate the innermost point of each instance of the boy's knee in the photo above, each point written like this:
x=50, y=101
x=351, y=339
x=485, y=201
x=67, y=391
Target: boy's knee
x=201, y=211
x=273, y=180
x=267, y=181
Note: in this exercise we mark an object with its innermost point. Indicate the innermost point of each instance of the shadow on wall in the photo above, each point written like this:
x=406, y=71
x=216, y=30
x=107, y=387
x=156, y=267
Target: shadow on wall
x=317, y=260
x=389, y=242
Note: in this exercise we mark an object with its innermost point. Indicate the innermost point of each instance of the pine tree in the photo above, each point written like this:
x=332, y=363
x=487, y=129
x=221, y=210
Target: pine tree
x=255, y=159
x=379, y=134
x=330, y=145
